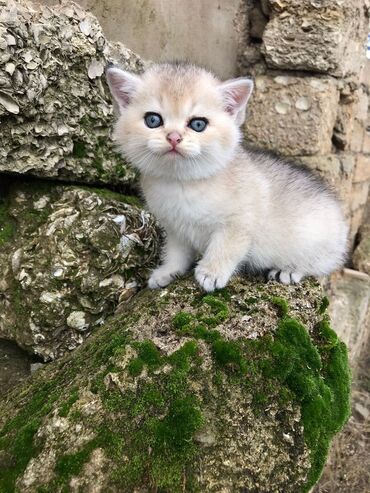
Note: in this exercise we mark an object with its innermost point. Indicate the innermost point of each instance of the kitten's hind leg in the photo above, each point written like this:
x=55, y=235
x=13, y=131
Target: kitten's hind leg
x=177, y=258
x=285, y=277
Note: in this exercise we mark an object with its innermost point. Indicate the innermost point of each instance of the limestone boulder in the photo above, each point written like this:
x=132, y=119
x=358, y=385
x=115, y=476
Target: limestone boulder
x=68, y=257
x=56, y=113
x=241, y=390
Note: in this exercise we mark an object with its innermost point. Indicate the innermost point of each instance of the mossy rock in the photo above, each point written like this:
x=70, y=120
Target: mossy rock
x=68, y=256
x=237, y=391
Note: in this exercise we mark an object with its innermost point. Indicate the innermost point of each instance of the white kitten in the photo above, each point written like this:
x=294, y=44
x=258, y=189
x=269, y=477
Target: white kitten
x=179, y=125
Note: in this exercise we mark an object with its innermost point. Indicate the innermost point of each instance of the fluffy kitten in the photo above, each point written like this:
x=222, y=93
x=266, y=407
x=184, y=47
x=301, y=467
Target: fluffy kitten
x=179, y=125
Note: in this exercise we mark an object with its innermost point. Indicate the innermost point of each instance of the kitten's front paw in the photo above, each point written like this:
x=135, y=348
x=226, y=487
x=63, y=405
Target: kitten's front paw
x=210, y=280
x=160, y=278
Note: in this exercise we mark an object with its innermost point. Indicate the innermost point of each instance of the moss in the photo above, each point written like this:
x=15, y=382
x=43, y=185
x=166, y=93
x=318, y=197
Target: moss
x=323, y=305
x=69, y=465
x=315, y=376
x=98, y=165
x=66, y=406
x=135, y=367
x=17, y=435
x=21, y=449
x=161, y=443
x=320, y=381
x=79, y=149
x=7, y=226
x=327, y=334
x=281, y=304
x=229, y=355
x=181, y=320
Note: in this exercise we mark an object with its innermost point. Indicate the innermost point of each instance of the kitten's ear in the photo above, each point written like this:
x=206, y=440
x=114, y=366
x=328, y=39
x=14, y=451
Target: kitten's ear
x=235, y=94
x=122, y=85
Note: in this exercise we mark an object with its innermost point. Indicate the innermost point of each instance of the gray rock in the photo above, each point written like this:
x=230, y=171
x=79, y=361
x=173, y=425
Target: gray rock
x=68, y=257
x=55, y=109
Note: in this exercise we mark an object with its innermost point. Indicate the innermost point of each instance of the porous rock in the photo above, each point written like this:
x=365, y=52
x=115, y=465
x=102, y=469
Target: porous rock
x=241, y=390
x=56, y=114
x=326, y=36
x=292, y=115
x=68, y=257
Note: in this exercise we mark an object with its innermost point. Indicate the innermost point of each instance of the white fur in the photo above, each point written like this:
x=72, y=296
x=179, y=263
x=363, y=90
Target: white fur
x=229, y=206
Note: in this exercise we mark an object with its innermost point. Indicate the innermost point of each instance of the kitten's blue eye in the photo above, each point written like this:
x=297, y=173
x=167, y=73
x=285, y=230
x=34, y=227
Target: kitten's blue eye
x=198, y=124
x=153, y=120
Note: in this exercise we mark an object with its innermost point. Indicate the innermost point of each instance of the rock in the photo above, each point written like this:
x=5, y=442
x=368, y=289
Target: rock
x=349, y=292
x=69, y=255
x=292, y=115
x=324, y=36
x=361, y=256
x=241, y=390
x=55, y=107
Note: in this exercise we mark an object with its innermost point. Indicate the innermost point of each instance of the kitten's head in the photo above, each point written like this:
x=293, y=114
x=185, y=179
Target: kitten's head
x=178, y=121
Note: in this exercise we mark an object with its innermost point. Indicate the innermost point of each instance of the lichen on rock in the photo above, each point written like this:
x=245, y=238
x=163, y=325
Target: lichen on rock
x=241, y=390
x=55, y=108
x=68, y=258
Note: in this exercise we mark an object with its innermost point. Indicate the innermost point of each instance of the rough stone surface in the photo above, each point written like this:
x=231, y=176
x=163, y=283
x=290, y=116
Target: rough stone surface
x=292, y=115
x=315, y=35
x=361, y=256
x=178, y=393
x=349, y=293
x=56, y=114
x=68, y=257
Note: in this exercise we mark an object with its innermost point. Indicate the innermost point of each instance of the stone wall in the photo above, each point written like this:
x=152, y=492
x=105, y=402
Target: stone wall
x=201, y=31
x=308, y=58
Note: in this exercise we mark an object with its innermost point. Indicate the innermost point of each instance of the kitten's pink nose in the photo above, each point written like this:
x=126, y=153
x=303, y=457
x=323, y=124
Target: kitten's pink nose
x=174, y=138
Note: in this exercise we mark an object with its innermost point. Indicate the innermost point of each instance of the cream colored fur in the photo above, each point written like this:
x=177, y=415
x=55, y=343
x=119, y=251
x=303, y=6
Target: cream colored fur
x=218, y=202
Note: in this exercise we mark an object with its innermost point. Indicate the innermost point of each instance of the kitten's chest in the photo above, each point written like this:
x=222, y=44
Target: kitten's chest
x=182, y=207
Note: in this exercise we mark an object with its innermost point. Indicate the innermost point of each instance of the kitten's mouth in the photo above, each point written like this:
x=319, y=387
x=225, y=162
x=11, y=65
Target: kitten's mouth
x=173, y=152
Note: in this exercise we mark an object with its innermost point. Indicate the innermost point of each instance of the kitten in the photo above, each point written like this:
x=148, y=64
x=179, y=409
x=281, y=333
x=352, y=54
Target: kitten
x=179, y=125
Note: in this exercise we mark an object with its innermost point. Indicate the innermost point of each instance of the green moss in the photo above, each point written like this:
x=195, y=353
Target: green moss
x=135, y=367
x=79, y=149
x=329, y=337
x=17, y=436
x=181, y=320
x=7, y=226
x=324, y=305
x=98, y=165
x=281, y=304
x=69, y=465
x=320, y=381
x=229, y=355
x=161, y=443
x=66, y=406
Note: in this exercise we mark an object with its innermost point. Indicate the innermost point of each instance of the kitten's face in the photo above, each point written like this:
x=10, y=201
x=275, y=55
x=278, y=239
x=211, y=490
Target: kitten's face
x=178, y=122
